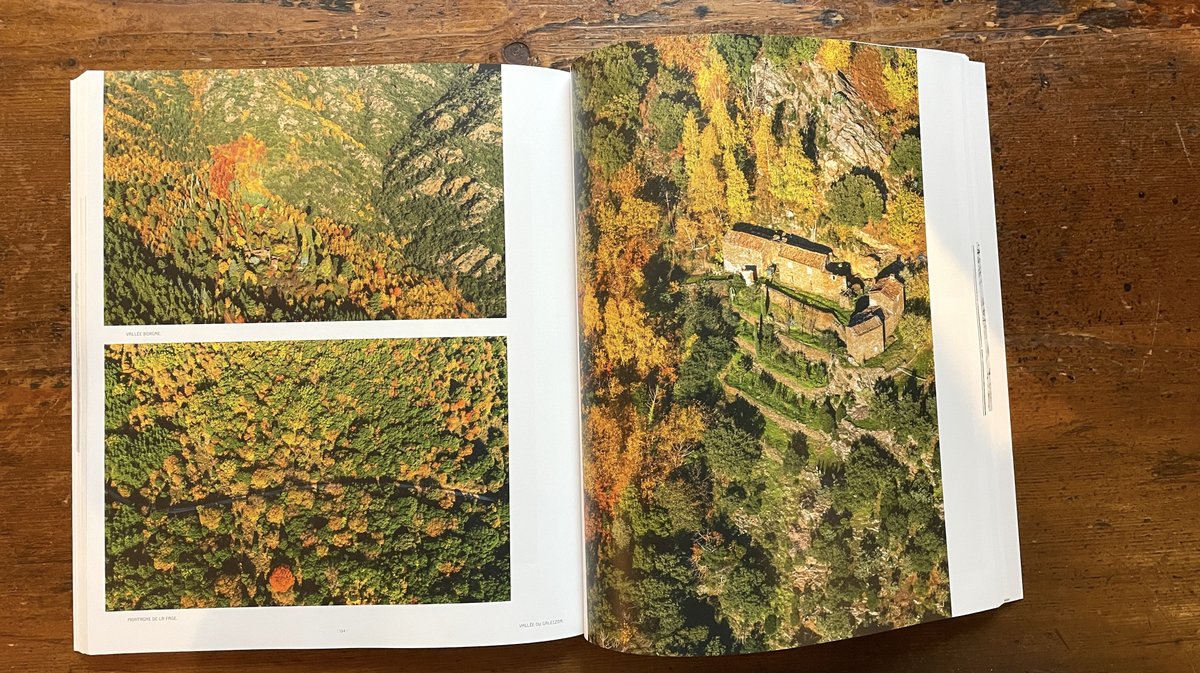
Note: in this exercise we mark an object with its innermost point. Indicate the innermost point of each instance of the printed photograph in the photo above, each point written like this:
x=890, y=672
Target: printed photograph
x=761, y=444
x=306, y=473
x=303, y=194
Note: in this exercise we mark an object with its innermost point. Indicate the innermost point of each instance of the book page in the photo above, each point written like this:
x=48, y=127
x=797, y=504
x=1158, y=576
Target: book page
x=766, y=312
x=320, y=358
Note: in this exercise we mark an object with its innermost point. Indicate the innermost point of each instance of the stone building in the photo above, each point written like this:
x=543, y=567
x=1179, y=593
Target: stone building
x=865, y=335
x=888, y=295
x=870, y=329
x=794, y=262
x=757, y=252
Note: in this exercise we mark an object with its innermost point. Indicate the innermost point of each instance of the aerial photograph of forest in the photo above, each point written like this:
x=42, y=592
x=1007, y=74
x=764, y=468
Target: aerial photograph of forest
x=303, y=194
x=761, y=466
x=306, y=473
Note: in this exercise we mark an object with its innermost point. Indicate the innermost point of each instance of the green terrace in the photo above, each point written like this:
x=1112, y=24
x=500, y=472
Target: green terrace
x=777, y=360
x=748, y=304
x=765, y=389
x=816, y=301
x=808, y=450
x=825, y=341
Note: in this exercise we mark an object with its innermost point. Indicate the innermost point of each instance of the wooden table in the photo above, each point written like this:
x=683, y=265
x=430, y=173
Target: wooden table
x=1095, y=112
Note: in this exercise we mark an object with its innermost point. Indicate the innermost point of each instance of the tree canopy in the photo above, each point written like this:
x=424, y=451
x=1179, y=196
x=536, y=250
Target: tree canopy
x=306, y=473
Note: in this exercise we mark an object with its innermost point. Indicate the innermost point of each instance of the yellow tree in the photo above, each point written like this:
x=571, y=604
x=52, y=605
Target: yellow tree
x=793, y=181
x=630, y=339
x=668, y=441
x=705, y=190
x=834, y=54
x=762, y=143
x=737, y=190
x=906, y=218
x=691, y=144
x=686, y=52
x=627, y=237
x=900, y=77
x=712, y=81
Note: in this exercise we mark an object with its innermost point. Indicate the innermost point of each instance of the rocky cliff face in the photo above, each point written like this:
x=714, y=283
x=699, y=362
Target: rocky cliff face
x=846, y=137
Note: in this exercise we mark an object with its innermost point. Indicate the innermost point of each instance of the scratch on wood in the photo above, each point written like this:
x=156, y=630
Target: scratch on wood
x=1061, y=639
x=1186, y=153
x=1153, y=335
x=1035, y=52
x=1007, y=9
x=327, y=5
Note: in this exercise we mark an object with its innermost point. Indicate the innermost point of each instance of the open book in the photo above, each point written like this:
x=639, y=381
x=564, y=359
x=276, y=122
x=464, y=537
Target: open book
x=695, y=349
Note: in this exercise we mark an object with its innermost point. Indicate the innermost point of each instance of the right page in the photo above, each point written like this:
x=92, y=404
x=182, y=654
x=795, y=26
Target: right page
x=795, y=412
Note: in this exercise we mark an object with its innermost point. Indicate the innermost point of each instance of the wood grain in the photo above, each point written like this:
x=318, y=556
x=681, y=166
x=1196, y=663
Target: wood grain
x=1096, y=137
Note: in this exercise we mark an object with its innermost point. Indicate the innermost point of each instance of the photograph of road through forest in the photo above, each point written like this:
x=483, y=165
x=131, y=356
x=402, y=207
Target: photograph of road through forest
x=303, y=194
x=760, y=424
x=306, y=473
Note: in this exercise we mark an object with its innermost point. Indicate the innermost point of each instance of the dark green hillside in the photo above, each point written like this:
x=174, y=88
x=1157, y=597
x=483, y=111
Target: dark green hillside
x=259, y=195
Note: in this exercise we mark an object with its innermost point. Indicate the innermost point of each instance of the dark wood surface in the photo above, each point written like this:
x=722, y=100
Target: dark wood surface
x=1095, y=116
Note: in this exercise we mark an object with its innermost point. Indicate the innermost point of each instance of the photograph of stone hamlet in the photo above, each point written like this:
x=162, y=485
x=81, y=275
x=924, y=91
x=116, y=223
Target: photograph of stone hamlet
x=760, y=420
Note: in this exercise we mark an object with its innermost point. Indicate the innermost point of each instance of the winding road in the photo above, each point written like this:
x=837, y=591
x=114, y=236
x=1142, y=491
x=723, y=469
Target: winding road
x=407, y=487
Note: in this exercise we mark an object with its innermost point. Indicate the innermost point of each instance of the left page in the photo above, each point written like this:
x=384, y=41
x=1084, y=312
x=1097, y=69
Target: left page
x=319, y=351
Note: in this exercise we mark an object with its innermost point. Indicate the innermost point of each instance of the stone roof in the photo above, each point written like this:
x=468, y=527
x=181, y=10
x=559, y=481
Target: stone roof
x=890, y=287
x=776, y=244
x=742, y=239
x=865, y=322
x=806, y=257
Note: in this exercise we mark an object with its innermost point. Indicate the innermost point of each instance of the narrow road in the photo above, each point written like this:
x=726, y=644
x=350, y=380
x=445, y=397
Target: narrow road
x=406, y=487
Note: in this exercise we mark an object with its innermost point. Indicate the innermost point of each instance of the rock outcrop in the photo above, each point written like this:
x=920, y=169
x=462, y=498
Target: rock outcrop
x=845, y=135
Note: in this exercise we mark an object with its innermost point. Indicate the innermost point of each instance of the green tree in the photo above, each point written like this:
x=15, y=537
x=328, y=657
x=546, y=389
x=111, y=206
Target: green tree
x=739, y=52
x=854, y=201
x=666, y=121
x=709, y=322
x=905, y=159
x=787, y=50
x=611, y=86
x=731, y=452
x=609, y=148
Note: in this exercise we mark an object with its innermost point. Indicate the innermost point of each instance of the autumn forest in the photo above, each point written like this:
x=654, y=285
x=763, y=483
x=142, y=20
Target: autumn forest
x=303, y=194
x=760, y=422
x=306, y=473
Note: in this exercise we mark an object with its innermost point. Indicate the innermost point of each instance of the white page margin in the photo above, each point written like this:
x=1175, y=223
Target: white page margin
x=960, y=232
x=1000, y=425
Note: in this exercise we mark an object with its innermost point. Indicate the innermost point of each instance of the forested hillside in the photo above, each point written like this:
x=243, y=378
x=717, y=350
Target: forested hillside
x=754, y=477
x=306, y=473
x=373, y=192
